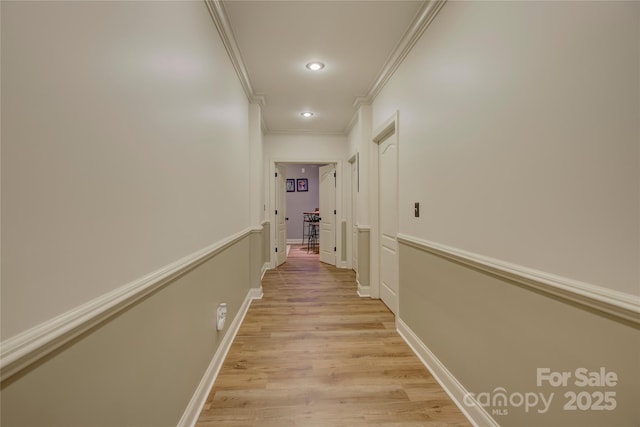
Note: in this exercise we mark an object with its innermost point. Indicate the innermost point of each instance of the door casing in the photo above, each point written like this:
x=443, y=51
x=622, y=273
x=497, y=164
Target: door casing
x=280, y=217
x=271, y=198
x=328, y=219
x=388, y=129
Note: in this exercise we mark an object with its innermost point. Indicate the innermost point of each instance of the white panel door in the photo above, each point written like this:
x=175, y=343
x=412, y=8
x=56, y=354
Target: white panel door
x=327, y=214
x=281, y=213
x=388, y=209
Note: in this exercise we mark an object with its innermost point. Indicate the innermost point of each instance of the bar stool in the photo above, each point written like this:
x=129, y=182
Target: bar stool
x=306, y=221
x=313, y=238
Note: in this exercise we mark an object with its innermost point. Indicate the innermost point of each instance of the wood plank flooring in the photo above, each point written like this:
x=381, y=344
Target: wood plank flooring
x=313, y=353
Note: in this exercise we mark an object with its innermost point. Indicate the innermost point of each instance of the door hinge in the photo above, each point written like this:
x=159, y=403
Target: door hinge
x=276, y=211
x=276, y=249
x=334, y=249
x=334, y=174
x=334, y=212
x=276, y=174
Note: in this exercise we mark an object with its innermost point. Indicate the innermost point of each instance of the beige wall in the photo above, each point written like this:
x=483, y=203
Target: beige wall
x=266, y=248
x=142, y=366
x=125, y=128
x=359, y=140
x=304, y=148
x=122, y=121
x=364, y=262
x=256, y=171
x=519, y=136
x=491, y=333
x=256, y=258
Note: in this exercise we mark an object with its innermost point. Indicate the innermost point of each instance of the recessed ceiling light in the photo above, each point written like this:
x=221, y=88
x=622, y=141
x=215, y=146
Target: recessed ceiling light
x=315, y=66
x=306, y=114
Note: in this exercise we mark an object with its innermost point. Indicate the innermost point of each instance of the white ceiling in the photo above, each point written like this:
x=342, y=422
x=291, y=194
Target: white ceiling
x=360, y=43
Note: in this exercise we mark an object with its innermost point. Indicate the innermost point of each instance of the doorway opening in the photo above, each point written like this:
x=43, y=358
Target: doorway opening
x=303, y=205
x=305, y=211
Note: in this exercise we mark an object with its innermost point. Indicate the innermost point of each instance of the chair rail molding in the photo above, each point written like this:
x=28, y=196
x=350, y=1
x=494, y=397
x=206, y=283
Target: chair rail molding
x=22, y=350
x=618, y=304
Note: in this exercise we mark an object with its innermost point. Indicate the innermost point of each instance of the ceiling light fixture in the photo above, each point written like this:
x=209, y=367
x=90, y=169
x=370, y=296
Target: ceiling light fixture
x=306, y=114
x=315, y=66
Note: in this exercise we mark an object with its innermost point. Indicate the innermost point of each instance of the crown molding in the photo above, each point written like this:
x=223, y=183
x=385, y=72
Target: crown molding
x=304, y=132
x=261, y=100
x=425, y=15
x=423, y=18
x=367, y=99
x=221, y=21
x=352, y=122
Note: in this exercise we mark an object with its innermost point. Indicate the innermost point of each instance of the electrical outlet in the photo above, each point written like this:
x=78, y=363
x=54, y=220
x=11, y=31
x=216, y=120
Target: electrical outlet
x=221, y=316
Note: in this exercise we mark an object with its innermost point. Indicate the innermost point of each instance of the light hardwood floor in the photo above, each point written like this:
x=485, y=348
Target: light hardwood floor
x=313, y=353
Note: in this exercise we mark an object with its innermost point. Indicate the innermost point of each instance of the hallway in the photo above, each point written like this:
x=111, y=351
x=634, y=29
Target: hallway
x=312, y=353
x=486, y=188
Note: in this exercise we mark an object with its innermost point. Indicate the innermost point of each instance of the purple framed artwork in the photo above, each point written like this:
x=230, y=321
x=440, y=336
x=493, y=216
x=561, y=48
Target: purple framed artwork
x=303, y=184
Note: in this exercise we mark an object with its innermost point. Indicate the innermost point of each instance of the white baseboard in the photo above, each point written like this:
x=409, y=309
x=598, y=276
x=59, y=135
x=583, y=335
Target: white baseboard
x=363, y=291
x=266, y=266
x=294, y=241
x=192, y=412
x=255, y=293
x=456, y=391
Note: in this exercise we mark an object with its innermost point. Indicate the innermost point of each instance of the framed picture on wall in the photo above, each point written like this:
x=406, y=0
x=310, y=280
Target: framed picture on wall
x=303, y=184
x=291, y=185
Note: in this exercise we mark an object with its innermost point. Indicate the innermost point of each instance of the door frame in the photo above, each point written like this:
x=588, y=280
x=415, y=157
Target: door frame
x=380, y=134
x=282, y=215
x=271, y=199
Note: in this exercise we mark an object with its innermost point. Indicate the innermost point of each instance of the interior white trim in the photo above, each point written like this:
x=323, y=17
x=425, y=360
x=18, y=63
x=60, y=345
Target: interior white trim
x=423, y=18
x=425, y=15
x=363, y=291
x=363, y=228
x=272, y=196
x=21, y=350
x=456, y=391
x=265, y=267
x=294, y=241
x=221, y=21
x=303, y=132
x=618, y=304
x=199, y=398
x=387, y=129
